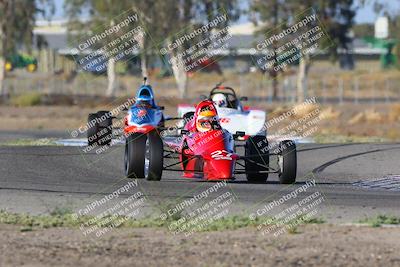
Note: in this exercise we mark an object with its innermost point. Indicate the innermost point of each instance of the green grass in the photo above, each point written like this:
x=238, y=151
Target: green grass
x=295, y=223
x=30, y=142
x=380, y=220
x=26, y=100
x=314, y=221
x=62, y=217
x=61, y=211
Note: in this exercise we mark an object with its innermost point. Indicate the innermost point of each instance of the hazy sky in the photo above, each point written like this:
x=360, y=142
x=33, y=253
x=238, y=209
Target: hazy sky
x=365, y=14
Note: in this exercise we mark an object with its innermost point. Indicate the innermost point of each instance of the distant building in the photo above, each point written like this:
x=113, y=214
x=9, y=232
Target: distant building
x=53, y=36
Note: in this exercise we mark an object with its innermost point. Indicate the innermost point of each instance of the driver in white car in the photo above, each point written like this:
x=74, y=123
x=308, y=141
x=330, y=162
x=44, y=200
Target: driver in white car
x=220, y=100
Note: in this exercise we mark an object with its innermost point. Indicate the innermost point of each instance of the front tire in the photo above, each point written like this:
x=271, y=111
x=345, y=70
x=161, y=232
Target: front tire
x=287, y=162
x=156, y=156
x=144, y=156
x=135, y=150
x=256, y=150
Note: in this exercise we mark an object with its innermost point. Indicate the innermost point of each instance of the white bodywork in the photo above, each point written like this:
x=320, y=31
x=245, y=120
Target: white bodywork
x=250, y=121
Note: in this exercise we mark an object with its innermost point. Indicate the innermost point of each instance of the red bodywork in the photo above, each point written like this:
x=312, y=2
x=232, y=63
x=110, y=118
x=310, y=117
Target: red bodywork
x=208, y=155
x=129, y=129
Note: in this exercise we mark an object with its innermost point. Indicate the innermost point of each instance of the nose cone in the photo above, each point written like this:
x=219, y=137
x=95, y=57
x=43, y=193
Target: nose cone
x=219, y=169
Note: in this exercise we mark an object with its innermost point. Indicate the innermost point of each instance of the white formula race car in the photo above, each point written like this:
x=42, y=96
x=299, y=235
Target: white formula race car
x=234, y=117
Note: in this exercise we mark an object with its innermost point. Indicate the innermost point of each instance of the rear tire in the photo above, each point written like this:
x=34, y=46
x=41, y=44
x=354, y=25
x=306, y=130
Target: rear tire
x=256, y=149
x=92, y=130
x=287, y=162
x=105, y=127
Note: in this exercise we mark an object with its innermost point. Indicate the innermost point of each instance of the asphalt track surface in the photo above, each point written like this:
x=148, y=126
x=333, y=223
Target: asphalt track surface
x=38, y=179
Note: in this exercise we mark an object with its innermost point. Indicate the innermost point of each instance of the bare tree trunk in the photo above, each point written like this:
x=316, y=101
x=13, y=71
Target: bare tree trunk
x=111, y=77
x=178, y=68
x=143, y=64
x=274, y=76
x=274, y=73
x=143, y=57
x=302, y=78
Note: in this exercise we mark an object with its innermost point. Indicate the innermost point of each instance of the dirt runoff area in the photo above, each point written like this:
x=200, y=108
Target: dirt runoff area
x=311, y=245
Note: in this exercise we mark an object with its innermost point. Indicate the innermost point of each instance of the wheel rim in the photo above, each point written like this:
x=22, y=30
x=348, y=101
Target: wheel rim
x=147, y=159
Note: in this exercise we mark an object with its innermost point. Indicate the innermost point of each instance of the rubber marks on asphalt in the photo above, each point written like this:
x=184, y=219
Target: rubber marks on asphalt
x=390, y=182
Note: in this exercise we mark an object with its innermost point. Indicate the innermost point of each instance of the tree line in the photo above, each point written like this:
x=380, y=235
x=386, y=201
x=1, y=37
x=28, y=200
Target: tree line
x=163, y=19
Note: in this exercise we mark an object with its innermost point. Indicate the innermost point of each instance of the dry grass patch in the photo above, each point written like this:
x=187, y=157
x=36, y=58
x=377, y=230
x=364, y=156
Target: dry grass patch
x=329, y=114
x=394, y=112
x=302, y=110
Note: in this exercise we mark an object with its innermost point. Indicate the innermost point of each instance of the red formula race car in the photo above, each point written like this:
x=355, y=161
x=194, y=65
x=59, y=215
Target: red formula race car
x=203, y=149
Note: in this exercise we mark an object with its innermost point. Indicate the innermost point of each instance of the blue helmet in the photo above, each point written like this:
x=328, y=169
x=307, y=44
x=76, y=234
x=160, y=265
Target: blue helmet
x=145, y=94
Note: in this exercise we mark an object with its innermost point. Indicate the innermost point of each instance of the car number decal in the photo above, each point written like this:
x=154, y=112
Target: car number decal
x=221, y=155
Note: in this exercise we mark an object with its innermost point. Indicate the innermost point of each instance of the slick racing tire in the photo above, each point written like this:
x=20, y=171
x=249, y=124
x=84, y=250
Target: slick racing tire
x=287, y=160
x=256, y=152
x=144, y=156
x=100, y=129
x=92, y=130
x=155, y=156
x=105, y=128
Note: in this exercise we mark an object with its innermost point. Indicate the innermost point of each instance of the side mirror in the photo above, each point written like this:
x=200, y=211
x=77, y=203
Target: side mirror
x=161, y=107
x=183, y=131
x=244, y=98
x=203, y=97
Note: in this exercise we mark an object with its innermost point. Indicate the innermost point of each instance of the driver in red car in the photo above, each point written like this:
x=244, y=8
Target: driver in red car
x=205, y=118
